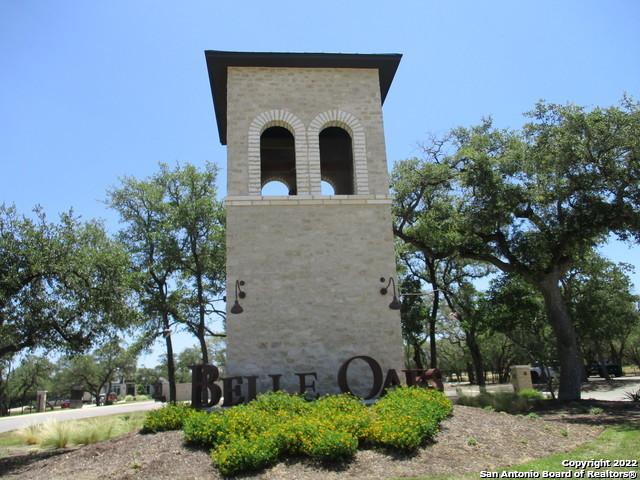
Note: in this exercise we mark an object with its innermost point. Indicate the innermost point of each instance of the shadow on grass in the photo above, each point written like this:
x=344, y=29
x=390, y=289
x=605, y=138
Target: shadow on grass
x=629, y=427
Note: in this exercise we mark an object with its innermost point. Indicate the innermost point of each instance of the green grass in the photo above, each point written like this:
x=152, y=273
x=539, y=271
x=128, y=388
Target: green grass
x=615, y=443
x=9, y=439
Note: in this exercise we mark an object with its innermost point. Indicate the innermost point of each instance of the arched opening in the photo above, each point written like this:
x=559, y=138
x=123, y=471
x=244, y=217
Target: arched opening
x=327, y=188
x=336, y=159
x=275, y=188
x=278, y=157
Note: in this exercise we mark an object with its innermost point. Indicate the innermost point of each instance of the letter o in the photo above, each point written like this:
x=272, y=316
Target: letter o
x=376, y=369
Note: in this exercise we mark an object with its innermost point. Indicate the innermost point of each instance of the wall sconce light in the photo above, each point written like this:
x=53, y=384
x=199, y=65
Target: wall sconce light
x=239, y=293
x=395, y=303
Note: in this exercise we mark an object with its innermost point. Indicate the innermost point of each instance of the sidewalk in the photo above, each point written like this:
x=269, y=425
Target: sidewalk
x=595, y=389
x=615, y=391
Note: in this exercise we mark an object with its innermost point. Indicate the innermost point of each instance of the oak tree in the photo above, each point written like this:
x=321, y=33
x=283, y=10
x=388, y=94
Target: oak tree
x=531, y=202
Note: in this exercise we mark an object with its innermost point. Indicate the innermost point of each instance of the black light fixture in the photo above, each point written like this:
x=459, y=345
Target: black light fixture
x=395, y=303
x=237, y=308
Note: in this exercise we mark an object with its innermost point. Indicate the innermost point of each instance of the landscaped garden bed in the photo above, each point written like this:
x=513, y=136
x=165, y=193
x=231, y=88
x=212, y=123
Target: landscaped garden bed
x=278, y=425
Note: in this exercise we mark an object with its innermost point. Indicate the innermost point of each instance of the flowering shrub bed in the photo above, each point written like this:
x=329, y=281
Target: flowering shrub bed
x=407, y=417
x=256, y=435
x=169, y=417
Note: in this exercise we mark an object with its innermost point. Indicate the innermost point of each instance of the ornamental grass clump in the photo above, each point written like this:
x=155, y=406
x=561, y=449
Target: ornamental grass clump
x=54, y=434
x=169, y=417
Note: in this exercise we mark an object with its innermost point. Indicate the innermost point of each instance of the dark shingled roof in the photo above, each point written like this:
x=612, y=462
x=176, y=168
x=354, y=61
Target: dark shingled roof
x=217, y=63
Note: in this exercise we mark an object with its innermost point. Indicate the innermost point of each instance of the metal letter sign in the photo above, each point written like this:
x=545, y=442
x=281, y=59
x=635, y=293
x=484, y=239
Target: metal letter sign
x=376, y=369
x=204, y=392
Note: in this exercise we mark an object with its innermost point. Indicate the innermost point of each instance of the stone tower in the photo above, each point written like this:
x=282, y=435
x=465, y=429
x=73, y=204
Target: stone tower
x=306, y=269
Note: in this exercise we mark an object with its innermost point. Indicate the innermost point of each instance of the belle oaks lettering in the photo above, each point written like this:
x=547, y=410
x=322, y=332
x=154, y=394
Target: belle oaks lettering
x=206, y=393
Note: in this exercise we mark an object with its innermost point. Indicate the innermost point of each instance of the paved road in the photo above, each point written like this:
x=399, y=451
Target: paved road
x=13, y=423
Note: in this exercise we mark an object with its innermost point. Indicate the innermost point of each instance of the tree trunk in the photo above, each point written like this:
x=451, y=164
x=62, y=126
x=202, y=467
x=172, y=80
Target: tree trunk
x=617, y=354
x=203, y=347
x=4, y=398
x=97, y=394
x=604, y=371
x=433, y=361
x=171, y=367
x=566, y=339
x=417, y=355
x=201, y=315
x=471, y=373
x=476, y=358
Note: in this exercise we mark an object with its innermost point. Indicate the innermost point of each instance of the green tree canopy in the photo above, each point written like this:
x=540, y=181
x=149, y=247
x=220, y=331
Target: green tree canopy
x=20, y=385
x=532, y=203
x=600, y=298
x=174, y=230
x=63, y=286
x=198, y=219
x=98, y=369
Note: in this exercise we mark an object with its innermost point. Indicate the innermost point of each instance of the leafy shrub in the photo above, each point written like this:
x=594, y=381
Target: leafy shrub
x=332, y=445
x=341, y=412
x=203, y=428
x=245, y=454
x=169, y=417
x=406, y=417
x=509, y=402
x=531, y=395
x=280, y=402
x=254, y=436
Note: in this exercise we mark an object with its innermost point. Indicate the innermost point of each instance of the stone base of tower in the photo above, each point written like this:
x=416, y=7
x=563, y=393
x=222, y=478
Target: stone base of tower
x=312, y=268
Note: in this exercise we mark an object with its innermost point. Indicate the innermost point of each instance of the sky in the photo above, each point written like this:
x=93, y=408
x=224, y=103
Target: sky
x=94, y=91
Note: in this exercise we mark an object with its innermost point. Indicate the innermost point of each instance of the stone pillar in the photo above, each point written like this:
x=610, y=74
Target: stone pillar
x=521, y=377
x=41, y=400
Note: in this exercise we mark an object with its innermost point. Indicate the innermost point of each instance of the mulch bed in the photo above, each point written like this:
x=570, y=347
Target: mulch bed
x=471, y=441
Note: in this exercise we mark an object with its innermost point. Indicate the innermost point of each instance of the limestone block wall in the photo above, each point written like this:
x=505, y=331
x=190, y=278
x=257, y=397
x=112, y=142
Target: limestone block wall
x=304, y=100
x=312, y=269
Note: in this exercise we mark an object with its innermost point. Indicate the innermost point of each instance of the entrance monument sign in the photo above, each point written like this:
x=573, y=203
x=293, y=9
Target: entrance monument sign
x=307, y=272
